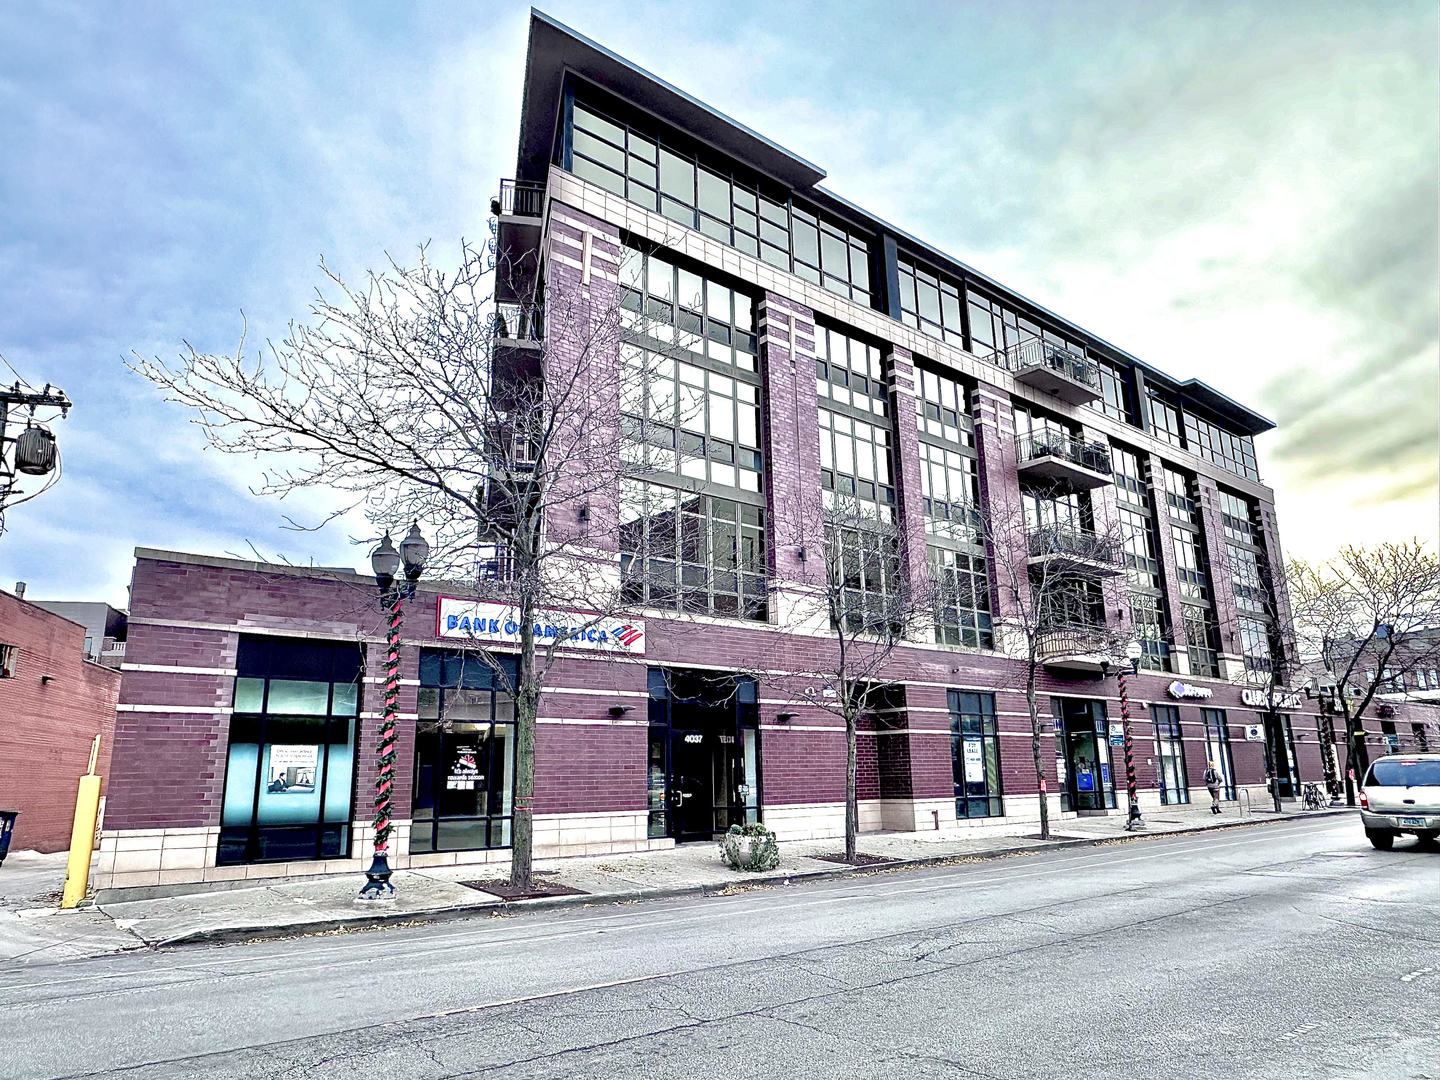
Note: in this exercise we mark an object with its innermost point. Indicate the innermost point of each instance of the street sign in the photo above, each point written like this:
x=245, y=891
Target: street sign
x=1117, y=735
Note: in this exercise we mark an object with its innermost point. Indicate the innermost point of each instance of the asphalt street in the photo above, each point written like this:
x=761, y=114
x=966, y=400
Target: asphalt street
x=1285, y=950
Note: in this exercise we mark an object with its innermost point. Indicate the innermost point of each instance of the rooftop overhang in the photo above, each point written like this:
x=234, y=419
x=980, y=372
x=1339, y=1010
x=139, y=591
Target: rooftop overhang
x=556, y=50
x=1245, y=421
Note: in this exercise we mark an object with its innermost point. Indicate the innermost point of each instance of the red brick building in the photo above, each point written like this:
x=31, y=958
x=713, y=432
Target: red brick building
x=53, y=702
x=841, y=357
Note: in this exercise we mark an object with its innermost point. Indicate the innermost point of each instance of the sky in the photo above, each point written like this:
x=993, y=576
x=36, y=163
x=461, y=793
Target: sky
x=1239, y=192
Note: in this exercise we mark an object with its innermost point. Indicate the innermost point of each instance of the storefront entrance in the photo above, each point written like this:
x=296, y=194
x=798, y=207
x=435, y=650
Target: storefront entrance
x=704, y=753
x=1082, y=755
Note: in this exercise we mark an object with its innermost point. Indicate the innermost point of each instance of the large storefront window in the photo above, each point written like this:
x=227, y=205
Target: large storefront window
x=464, y=754
x=1170, y=755
x=1217, y=747
x=975, y=755
x=290, y=773
x=703, y=760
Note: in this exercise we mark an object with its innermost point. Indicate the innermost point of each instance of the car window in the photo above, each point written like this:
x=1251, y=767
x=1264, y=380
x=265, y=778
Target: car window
x=1394, y=773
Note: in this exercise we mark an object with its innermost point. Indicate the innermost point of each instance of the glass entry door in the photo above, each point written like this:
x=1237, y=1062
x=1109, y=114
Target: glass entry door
x=1083, y=755
x=704, y=754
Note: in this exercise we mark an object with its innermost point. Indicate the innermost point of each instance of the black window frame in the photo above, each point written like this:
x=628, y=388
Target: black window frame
x=275, y=659
x=978, y=709
x=460, y=671
x=1170, y=732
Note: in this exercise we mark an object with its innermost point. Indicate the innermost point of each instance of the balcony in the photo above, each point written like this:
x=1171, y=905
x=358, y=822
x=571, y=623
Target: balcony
x=1064, y=549
x=1063, y=461
x=1058, y=371
x=519, y=210
x=519, y=325
x=519, y=199
x=1077, y=650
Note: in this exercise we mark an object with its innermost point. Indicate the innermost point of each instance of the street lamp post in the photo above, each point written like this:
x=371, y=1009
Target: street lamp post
x=387, y=562
x=1133, y=652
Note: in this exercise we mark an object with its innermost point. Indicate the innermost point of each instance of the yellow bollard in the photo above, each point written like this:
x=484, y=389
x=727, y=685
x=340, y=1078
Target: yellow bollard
x=82, y=835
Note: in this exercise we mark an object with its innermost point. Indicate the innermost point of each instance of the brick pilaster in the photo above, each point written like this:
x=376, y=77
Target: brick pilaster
x=1222, y=580
x=792, y=442
x=1169, y=563
x=910, y=501
x=999, y=496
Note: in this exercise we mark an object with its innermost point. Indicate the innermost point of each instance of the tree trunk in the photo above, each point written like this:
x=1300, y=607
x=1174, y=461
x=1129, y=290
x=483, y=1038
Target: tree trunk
x=1035, y=752
x=852, y=801
x=1353, y=762
x=527, y=703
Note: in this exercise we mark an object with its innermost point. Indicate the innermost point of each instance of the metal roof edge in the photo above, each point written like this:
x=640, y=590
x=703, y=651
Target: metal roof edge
x=555, y=24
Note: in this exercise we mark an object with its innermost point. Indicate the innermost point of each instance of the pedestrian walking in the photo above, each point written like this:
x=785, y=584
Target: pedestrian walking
x=1212, y=782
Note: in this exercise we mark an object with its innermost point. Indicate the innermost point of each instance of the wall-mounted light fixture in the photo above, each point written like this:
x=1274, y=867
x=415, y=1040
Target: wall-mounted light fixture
x=46, y=678
x=784, y=717
x=621, y=710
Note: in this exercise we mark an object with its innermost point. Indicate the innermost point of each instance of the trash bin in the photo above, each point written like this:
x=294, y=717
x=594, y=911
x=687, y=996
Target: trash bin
x=7, y=826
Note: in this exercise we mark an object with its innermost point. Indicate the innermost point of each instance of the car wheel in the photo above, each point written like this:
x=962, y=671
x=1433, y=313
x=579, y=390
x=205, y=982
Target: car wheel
x=1429, y=840
x=1382, y=839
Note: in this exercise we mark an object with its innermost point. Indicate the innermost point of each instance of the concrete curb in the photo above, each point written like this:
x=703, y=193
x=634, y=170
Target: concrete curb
x=365, y=920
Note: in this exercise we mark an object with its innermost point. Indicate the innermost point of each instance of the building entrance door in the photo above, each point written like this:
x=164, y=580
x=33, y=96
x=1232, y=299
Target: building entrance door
x=1083, y=755
x=693, y=763
x=704, y=754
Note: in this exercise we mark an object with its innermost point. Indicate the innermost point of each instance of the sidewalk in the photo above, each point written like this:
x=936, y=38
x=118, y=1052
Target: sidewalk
x=312, y=905
x=32, y=926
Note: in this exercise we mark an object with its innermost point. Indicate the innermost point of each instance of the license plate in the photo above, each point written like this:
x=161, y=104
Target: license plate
x=1412, y=821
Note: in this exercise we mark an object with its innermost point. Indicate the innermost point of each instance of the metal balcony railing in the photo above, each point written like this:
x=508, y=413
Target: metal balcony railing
x=524, y=322
x=1077, y=544
x=1036, y=353
x=1082, y=639
x=1061, y=444
x=519, y=198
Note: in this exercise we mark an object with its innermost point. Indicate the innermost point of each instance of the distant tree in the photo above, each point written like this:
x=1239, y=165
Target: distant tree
x=1367, y=620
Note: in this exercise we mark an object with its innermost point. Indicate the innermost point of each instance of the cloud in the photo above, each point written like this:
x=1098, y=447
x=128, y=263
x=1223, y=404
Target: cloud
x=1238, y=191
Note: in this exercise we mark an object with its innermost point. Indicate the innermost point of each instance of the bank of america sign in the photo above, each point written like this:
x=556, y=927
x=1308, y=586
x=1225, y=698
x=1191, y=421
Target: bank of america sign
x=488, y=623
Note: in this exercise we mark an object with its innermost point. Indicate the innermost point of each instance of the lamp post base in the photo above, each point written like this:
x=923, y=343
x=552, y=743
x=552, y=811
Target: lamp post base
x=1135, y=821
x=377, y=885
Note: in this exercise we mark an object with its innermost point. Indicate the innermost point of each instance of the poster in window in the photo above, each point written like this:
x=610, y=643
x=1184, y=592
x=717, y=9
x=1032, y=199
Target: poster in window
x=292, y=769
x=464, y=772
x=974, y=760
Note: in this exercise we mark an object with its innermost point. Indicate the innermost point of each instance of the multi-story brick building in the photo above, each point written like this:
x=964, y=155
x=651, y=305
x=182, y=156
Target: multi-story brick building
x=54, y=700
x=249, y=713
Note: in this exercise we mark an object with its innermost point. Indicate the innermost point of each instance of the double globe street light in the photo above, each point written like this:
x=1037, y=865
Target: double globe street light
x=387, y=563
x=1133, y=653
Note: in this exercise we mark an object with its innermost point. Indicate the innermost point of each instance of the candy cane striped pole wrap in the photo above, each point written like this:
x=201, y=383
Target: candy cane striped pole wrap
x=385, y=778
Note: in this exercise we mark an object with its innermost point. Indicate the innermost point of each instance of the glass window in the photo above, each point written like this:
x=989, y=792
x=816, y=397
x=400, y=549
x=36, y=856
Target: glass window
x=1165, y=421
x=1170, y=755
x=703, y=192
x=290, y=773
x=1217, y=748
x=975, y=755
x=962, y=602
x=1114, y=391
x=692, y=552
x=464, y=753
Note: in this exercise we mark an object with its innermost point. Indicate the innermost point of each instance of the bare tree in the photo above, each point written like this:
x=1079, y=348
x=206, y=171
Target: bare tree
x=416, y=396
x=870, y=603
x=1367, y=620
x=1051, y=604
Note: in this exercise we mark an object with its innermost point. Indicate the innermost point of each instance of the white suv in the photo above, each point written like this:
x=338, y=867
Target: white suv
x=1402, y=795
